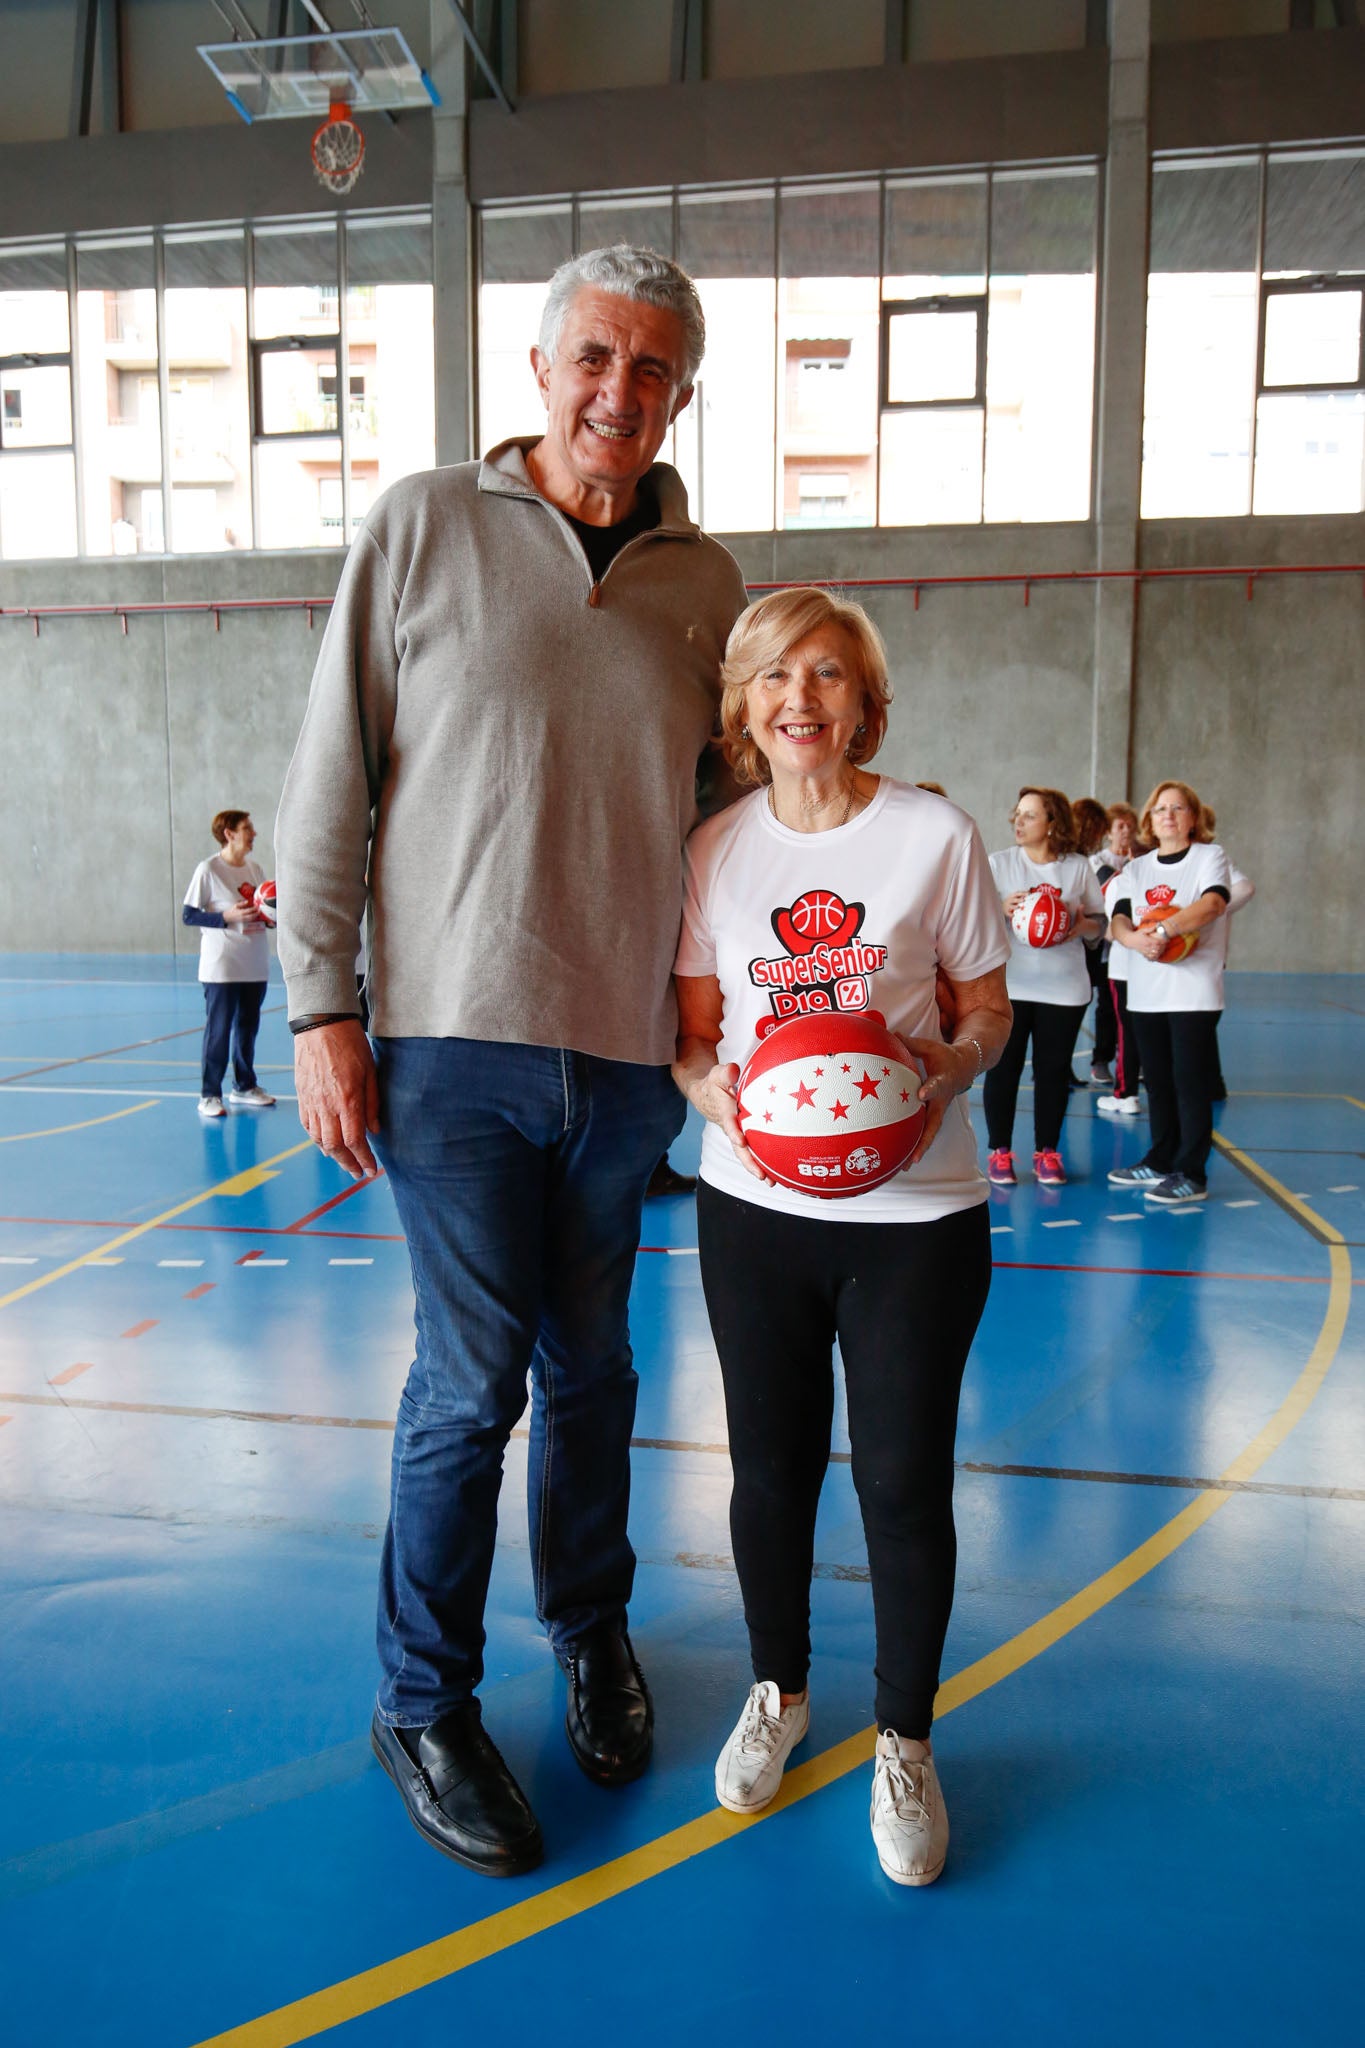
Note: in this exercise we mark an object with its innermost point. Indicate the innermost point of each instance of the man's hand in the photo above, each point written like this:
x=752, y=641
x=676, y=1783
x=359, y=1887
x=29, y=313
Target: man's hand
x=339, y=1093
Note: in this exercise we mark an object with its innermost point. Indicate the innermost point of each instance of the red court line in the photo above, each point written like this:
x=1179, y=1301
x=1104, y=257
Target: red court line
x=204, y=1287
x=291, y=1229
x=138, y=1328
x=73, y=1372
x=248, y=1258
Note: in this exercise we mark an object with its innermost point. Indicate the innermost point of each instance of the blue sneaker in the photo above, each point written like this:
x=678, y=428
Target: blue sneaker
x=1176, y=1190
x=1136, y=1177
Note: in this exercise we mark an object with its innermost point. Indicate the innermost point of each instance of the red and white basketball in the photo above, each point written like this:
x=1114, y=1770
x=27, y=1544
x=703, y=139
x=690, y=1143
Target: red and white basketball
x=264, y=900
x=829, y=1105
x=1042, y=919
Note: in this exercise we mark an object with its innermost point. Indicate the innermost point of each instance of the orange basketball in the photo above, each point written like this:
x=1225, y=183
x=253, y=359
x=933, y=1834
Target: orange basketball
x=1180, y=945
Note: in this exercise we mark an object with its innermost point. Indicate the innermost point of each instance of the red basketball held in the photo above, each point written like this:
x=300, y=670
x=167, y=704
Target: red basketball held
x=829, y=1104
x=1042, y=919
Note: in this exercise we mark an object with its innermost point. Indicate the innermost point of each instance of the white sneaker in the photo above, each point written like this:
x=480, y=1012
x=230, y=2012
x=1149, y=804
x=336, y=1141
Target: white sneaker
x=1118, y=1105
x=909, y=1819
x=211, y=1105
x=749, y=1768
x=253, y=1098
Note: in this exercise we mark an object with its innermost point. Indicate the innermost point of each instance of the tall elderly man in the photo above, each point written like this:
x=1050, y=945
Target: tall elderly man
x=518, y=680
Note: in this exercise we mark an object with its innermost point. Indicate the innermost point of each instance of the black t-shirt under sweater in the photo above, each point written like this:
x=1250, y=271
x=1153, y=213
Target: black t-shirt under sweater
x=602, y=544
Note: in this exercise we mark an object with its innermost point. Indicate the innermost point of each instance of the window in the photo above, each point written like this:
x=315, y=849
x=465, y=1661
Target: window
x=1201, y=339
x=37, y=465
x=1255, y=398
x=248, y=382
x=120, y=410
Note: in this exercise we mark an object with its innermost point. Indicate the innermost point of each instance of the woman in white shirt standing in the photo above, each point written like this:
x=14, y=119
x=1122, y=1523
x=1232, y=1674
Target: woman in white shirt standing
x=1049, y=986
x=1174, y=893
x=234, y=962
x=899, y=1274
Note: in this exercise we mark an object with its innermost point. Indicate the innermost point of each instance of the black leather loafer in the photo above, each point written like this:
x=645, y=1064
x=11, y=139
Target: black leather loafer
x=610, y=1718
x=460, y=1794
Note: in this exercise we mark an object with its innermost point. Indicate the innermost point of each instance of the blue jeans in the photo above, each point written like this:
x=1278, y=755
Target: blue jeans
x=519, y=1173
x=233, y=1017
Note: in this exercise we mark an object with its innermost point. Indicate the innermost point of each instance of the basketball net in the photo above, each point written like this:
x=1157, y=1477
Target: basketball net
x=338, y=149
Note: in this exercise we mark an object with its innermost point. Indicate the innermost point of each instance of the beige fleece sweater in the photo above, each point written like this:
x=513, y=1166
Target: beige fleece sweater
x=509, y=750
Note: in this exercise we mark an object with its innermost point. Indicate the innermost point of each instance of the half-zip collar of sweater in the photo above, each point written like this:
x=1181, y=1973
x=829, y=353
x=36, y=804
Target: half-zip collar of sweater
x=504, y=474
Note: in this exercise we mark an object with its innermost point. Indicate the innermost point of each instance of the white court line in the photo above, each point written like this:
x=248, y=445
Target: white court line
x=1350, y=1188
x=1128, y=1216
x=180, y=1262
x=1242, y=1205
x=1002, y=1230
x=335, y=1262
x=682, y=1251
x=157, y=1094
x=1064, y=1223
x=264, y=1262
x=6, y=1260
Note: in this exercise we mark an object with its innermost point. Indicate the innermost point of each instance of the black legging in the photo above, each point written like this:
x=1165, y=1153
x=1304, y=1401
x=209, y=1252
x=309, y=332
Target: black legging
x=1054, y=1028
x=1179, y=1051
x=904, y=1300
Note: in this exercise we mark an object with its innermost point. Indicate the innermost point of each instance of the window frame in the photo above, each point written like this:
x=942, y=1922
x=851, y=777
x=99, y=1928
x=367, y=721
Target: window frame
x=937, y=302
x=291, y=344
x=1308, y=287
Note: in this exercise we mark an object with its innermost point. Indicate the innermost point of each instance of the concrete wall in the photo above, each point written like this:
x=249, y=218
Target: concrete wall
x=120, y=749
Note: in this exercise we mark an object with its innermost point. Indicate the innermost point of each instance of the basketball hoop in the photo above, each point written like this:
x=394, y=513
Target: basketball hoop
x=338, y=149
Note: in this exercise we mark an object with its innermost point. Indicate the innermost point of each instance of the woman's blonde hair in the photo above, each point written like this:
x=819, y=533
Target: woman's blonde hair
x=766, y=631
x=1200, y=834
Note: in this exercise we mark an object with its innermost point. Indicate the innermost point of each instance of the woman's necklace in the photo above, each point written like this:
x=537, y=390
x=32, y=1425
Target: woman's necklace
x=854, y=796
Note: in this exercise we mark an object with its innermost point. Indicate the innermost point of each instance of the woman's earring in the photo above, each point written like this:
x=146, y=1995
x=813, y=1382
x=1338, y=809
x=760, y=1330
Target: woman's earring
x=744, y=732
x=861, y=728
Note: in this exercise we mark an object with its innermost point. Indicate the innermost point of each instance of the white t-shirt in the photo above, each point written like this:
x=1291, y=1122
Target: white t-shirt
x=1119, y=956
x=909, y=889
x=1048, y=974
x=1196, y=982
x=238, y=952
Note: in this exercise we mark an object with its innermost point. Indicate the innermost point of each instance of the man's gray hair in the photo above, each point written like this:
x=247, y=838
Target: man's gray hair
x=628, y=273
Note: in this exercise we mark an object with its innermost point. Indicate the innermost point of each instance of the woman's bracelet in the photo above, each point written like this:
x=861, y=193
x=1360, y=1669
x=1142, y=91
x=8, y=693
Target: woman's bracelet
x=975, y=1044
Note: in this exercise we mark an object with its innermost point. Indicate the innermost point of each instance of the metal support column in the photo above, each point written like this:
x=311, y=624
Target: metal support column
x=1118, y=413
x=451, y=240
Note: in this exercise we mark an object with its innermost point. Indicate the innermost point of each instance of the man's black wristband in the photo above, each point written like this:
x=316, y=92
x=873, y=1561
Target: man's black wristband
x=298, y=1024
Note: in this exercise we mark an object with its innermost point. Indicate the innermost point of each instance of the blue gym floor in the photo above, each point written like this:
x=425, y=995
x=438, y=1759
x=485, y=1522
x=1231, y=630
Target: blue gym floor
x=1150, y=1736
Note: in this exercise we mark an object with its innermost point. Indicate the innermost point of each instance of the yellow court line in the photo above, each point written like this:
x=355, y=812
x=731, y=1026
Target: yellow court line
x=1353, y=1102
x=315, y=2014
x=60, y=1130
x=237, y=1184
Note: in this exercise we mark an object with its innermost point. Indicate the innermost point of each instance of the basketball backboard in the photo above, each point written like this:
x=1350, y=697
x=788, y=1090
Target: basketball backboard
x=287, y=77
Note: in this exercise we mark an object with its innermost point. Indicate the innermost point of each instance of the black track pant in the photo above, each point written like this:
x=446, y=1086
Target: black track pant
x=1179, y=1052
x=1053, y=1028
x=1127, y=1066
x=1106, y=1023
x=904, y=1300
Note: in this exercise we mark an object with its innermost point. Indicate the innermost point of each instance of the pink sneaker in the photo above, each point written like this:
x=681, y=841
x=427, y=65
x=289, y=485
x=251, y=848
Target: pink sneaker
x=1000, y=1169
x=1048, y=1170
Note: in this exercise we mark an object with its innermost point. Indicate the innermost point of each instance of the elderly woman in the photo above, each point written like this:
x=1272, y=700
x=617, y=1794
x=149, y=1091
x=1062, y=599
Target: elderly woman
x=1049, y=986
x=1177, y=891
x=899, y=1274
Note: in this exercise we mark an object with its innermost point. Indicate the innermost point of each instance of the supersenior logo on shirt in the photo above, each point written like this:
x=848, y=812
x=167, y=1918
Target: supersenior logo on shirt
x=824, y=966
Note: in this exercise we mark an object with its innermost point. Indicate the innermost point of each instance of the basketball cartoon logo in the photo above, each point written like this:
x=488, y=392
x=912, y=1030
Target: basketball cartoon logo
x=818, y=917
